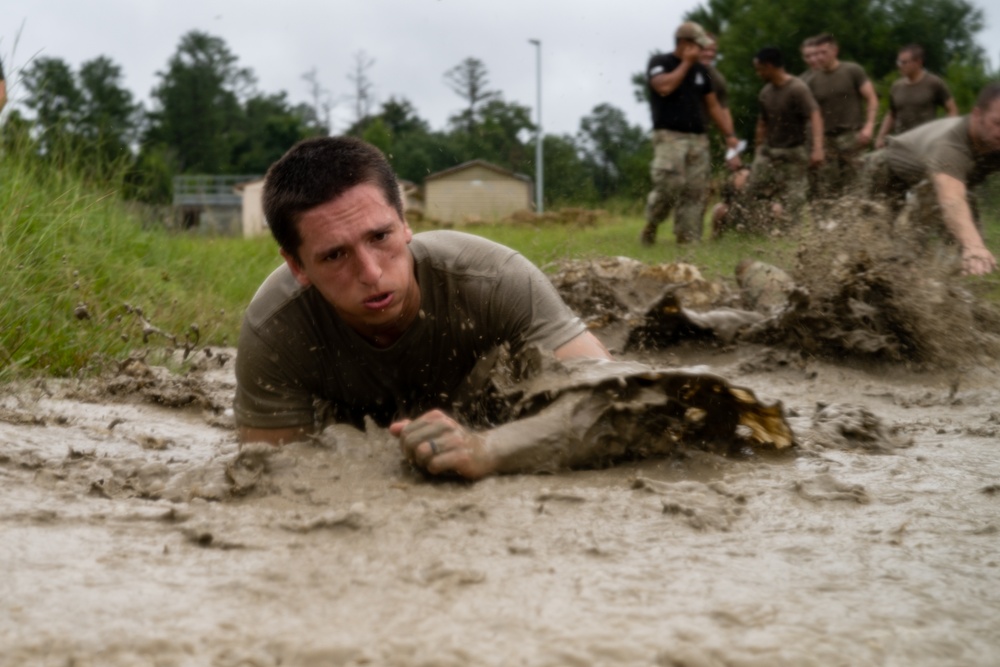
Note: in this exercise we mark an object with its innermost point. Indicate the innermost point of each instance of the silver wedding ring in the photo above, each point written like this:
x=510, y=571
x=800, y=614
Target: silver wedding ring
x=434, y=447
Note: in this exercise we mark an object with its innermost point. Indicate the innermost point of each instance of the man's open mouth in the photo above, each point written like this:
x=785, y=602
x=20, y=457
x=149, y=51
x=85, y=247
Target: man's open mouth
x=379, y=301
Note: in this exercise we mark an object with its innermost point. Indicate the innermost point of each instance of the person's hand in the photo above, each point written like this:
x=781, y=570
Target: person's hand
x=816, y=157
x=691, y=53
x=977, y=261
x=880, y=142
x=864, y=136
x=734, y=163
x=438, y=444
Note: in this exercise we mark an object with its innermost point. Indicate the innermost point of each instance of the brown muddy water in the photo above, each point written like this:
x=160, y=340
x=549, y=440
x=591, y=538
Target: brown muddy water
x=132, y=534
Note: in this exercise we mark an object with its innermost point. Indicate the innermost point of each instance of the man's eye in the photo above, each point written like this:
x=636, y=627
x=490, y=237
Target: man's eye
x=333, y=256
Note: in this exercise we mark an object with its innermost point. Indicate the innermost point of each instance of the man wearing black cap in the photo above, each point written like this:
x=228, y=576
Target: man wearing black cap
x=679, y=87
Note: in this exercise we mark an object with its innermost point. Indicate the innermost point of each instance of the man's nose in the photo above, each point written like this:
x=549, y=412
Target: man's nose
x=368, y=267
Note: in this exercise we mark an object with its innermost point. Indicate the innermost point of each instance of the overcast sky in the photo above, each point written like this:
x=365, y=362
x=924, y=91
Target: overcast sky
x=590, y=48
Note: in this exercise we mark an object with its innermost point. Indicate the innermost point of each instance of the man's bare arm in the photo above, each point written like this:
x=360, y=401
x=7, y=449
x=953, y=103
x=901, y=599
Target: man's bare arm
x=951, y=195
x=950, y=107
x=584, y=345
x=867, y=91
x=885, y=129
x=272, y=436
x=818, y=151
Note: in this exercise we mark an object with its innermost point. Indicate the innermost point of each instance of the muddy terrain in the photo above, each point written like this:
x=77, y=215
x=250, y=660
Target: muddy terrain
x=134, y=531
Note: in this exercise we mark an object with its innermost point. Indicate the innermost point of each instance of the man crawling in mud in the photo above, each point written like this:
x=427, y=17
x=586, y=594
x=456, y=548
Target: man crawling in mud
x=367, y=318
x=941, y=162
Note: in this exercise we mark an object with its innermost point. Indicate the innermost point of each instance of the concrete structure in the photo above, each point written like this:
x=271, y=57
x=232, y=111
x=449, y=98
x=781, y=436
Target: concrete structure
x=251, y=195
x=209, y=204
x=476, y=191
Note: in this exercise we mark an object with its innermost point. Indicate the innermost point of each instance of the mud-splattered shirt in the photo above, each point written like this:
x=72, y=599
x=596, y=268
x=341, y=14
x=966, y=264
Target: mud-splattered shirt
x=298, y=362
x=939, y=147
x=786, y=111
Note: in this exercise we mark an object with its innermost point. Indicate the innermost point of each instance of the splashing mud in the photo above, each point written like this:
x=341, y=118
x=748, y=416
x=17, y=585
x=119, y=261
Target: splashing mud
x=135, y=531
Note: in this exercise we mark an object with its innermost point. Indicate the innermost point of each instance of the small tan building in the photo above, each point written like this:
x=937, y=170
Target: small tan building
x=476, y=191
x=251, y=193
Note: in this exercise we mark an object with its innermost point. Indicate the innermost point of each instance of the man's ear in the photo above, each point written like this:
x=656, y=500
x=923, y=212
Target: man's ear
x=407, y=231
x=296, y=268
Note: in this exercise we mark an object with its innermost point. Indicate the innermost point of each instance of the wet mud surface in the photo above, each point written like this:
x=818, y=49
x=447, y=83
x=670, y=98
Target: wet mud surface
x=134, y=531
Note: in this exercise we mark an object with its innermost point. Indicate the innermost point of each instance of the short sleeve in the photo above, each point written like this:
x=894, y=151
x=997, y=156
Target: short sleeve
x=267, y=393
x=526, y=300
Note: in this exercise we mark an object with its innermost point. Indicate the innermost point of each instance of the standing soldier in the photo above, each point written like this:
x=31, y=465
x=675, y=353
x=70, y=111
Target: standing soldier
x=849, y=105
x=678, y=87
x=784, y=156
x=915, y=97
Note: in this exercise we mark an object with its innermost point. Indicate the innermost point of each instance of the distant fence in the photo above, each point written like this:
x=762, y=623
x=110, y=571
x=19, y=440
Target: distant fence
x=205, y=190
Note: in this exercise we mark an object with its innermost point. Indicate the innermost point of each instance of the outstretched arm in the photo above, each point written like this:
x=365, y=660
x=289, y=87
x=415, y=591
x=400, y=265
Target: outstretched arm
x=437, y=443
x=951, y=194
x=885, y=130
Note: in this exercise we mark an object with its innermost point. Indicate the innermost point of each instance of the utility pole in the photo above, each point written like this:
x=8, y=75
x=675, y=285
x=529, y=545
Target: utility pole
x=539, y=160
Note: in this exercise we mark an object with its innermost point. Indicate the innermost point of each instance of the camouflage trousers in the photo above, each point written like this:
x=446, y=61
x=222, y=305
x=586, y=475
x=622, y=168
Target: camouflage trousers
x=778, y=176
x=842, y=164
x=681, y=173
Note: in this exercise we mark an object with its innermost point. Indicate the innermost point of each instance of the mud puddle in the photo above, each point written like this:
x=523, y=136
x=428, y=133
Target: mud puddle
x=137, y=534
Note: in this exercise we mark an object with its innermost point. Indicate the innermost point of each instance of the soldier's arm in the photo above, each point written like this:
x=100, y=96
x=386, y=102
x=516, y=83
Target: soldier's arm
x=665, y=83
x=816, y=124
x=760, y=132
x=950, y=107
x=867, y=91
x=888, y=123
x=951, y=195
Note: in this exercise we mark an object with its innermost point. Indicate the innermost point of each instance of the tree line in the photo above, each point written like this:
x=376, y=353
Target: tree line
x=208, y=117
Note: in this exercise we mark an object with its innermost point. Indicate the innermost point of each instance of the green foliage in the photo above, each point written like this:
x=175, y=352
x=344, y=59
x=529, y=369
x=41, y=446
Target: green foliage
x=78, y=268
x=197, y=104
x=617, y=153
x=87, y=114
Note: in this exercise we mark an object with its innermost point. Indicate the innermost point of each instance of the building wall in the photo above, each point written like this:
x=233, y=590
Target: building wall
x=253, y=210
x=475, y=193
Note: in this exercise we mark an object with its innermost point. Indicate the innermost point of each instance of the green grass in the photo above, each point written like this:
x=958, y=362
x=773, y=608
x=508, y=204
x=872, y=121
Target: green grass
x=71, y=249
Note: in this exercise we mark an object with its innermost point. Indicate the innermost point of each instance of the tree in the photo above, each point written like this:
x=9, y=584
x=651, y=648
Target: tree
x=268, y=127
x=322, y=104
x=198, y=104
x=86, y=117
x=362, y=85
x=616, y=152
x=56, y=100
x=470, y=81
x=109, y=118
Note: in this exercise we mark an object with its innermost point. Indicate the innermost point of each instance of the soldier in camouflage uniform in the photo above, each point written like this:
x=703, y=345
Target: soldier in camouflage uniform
x=679, y=85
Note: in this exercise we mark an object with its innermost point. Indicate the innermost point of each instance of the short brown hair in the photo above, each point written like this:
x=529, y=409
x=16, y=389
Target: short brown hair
x=987, y=96
x=823, y=38
x=915, y=50
x=316, y=171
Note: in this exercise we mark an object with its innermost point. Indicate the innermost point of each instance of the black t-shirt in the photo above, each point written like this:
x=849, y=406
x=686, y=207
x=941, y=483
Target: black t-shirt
x=681, y=110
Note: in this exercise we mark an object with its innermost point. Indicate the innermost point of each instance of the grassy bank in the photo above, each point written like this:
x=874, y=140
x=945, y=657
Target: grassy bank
x=83, y=284
x=79, y=275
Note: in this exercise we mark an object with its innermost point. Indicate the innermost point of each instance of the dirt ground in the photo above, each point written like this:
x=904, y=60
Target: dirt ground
x=135, y=533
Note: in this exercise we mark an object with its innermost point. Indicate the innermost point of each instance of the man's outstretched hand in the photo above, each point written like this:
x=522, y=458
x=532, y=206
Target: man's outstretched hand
x=438, y=444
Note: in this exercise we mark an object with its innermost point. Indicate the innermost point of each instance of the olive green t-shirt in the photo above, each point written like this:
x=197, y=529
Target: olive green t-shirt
x=721, y=89
x=786, y=110
x=941, y=146
x=838, y=94
x=914, y=104
x=296, y=357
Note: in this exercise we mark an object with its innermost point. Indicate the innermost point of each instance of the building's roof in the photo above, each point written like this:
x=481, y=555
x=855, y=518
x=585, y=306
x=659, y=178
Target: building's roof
x=478, y=163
